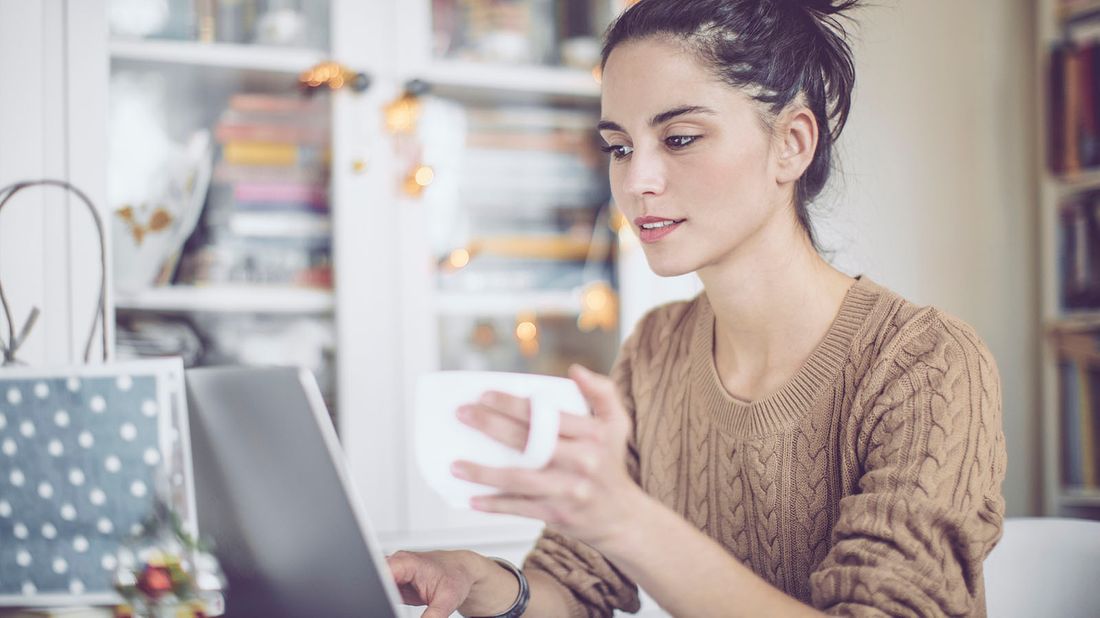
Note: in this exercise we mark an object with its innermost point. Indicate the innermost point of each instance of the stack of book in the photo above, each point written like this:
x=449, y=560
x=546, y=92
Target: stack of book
x=1079, y=376
x=1074, y=107
x=532, y=188
x=267, y=218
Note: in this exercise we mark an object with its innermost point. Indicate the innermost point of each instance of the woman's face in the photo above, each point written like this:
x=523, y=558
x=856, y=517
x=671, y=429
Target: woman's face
x=691, y=163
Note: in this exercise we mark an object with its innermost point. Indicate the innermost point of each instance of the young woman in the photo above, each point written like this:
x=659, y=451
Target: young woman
x=792, y=441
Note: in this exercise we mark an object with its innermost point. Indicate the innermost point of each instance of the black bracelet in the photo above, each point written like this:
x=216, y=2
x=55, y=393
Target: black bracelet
x=524, y=596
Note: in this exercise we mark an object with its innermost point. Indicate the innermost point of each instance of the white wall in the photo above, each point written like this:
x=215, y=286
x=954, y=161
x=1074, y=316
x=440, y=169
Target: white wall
x=937, y=198
x=53, y=122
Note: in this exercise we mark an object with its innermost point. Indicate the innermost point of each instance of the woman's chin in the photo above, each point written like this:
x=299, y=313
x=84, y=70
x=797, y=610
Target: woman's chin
x=668, y=268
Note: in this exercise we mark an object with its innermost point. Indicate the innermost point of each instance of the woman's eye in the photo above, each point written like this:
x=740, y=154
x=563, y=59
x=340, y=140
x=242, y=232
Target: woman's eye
x=680, y=141
x=618, y=151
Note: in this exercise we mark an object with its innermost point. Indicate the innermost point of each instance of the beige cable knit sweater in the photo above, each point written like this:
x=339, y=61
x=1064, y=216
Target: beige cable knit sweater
x=869, y=484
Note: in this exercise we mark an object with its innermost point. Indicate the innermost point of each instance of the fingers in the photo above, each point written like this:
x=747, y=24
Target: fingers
x=511, y=505
x=519, y=481
x=599, y=391
x=402, y=566
x=498, y=425
x=517, y=408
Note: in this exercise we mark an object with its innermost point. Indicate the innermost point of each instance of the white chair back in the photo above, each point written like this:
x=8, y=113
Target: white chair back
x=1045, y=567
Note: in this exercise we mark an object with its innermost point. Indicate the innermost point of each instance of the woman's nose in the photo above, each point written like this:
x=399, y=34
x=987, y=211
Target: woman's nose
x=645, y=174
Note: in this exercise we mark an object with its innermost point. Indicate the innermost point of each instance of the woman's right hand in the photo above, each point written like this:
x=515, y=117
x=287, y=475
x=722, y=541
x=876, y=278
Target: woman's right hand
x=444, y=580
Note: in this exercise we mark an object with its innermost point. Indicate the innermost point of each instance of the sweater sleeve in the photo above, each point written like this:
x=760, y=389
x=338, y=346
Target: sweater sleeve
x=596, y=587
x=930, y=457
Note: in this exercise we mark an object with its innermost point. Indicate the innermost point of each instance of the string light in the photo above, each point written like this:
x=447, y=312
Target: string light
x=527, y=334
x=424, y=175
x=599, y=308
x=459, y=258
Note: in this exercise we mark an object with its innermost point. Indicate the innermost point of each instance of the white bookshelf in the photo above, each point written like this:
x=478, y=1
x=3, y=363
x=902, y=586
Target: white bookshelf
x=217, y=55
x=227, y=299
x=565, y=302
x=457, y=78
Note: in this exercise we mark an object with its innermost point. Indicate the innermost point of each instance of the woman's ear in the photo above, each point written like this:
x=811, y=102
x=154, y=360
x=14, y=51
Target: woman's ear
x=796, y=142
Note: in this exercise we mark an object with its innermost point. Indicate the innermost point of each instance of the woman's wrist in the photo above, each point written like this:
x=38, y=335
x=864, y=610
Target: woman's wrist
x=494, y=588
x=639, y=510
x=633, y=509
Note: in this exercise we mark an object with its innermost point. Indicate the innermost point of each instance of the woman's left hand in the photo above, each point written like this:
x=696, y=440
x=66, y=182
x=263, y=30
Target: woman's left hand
x=585, y=491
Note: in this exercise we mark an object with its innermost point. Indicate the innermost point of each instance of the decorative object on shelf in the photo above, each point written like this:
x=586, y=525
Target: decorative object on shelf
x=582, y=52
x=165, y=571
x=501, y=31
x=281, y=25
x=137, y=18
x=156, y=186
x=334, y=76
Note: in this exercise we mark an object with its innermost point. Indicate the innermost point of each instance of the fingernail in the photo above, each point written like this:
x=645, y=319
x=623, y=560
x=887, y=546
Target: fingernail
x=463, y=413
x=458, y=470
x=486, y=398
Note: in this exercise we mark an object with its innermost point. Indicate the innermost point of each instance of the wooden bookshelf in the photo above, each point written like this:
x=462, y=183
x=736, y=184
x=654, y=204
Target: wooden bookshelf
x=1069, y=332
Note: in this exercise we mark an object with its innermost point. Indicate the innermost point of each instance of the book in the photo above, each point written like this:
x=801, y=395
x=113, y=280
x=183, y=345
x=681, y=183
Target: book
x=225, y=172
x=1086, y=119
x=226, y=132
x=1071, y=111
x=260, y=102
x=281, y=192
x=1071, y=414
x=272, y=153
x=279, y=225
x=1085, y=426
x=1057, y=110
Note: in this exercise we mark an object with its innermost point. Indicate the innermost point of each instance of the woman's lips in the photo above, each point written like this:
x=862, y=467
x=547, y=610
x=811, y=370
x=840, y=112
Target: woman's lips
x=657, y=229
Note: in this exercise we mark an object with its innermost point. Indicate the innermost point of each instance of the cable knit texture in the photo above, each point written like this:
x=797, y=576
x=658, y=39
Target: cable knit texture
x=868, y=485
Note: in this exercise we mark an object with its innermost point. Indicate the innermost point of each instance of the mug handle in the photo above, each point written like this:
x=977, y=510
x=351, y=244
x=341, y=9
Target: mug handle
x=542, y=438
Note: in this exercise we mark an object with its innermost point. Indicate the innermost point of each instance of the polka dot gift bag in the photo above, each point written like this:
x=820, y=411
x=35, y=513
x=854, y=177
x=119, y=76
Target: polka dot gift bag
x=88, y=455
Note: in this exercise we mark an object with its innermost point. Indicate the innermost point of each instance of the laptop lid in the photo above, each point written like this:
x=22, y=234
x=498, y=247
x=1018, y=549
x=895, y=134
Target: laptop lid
x=273, y=493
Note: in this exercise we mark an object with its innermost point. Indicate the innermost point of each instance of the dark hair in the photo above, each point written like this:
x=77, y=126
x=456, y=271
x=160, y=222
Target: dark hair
x=777, y=50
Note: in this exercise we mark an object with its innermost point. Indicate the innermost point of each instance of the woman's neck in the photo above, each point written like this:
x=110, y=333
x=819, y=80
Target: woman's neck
x=773, y=303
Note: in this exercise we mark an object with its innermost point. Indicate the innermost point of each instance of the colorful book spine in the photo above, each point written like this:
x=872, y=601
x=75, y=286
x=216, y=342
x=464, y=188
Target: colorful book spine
x=259, y=102
x=1071, y=420
x=273, y=133
x=1057, y=109
x=280, y=192
x=1085, y=427
x=271, y=153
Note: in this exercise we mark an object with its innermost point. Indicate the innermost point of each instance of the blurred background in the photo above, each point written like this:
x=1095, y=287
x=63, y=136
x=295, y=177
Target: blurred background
x=377, y=189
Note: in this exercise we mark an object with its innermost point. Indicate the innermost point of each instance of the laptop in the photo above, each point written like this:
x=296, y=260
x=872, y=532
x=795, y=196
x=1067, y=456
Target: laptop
x=273, y=494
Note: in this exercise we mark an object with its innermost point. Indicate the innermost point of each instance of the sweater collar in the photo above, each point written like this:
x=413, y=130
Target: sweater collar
x=786, y=405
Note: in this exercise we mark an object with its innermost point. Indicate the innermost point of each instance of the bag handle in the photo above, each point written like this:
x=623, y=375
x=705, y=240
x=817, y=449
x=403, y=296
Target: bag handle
x=11, y=346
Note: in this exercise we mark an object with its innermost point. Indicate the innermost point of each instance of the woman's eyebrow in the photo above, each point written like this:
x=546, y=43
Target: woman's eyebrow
x=661, y=118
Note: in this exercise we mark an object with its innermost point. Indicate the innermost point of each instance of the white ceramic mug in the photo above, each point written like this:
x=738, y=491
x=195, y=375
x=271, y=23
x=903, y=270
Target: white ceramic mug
x=441, y=439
